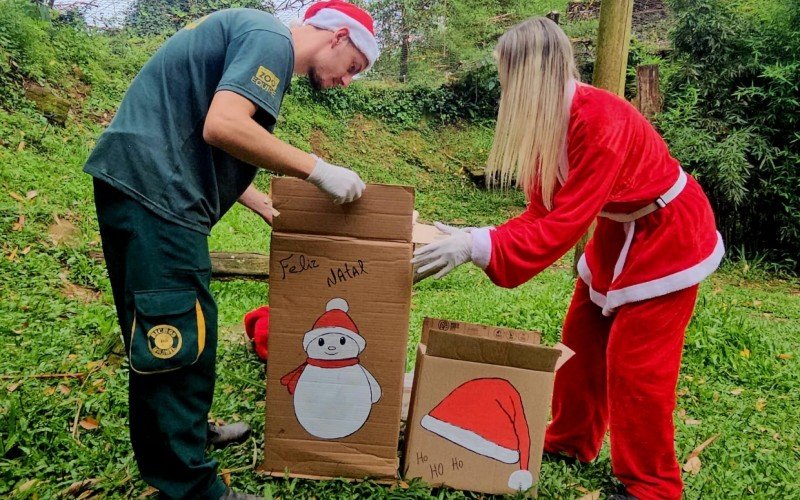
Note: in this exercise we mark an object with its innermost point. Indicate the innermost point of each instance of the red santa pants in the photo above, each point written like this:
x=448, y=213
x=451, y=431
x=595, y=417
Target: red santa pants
x=623, y=377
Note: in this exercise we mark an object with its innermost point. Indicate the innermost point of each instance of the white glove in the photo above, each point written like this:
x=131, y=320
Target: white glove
x=342, y=184
x=446, y=254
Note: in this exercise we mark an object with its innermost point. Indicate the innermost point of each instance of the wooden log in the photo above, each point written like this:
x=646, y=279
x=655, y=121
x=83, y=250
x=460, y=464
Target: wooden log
x=234, y=265
x=230, y=265
x=53, y=107
x=648, y=98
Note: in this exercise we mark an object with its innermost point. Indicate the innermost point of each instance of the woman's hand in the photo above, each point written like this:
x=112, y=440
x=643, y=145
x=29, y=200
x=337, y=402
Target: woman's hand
x=444, y=255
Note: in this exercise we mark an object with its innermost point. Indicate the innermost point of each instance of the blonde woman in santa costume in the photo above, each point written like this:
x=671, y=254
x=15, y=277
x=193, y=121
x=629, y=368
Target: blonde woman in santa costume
x=583, y=154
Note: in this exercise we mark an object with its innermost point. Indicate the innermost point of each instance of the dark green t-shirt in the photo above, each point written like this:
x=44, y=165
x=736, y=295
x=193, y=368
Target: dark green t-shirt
x=154, y=149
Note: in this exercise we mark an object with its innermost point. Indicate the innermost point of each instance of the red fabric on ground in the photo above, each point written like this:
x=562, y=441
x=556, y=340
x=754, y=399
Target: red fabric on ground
x=256, y=324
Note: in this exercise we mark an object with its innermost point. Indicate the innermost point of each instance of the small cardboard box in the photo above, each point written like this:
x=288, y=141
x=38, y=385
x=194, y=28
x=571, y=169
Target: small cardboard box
x=340, y=295
x=479, y=407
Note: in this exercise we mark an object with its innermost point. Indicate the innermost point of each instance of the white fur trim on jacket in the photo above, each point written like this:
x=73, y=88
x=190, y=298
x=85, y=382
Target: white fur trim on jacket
x=333, y=20
x=653, y=288
x=481, y=253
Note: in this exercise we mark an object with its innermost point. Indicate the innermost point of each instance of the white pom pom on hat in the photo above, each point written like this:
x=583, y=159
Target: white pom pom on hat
x=337, y=303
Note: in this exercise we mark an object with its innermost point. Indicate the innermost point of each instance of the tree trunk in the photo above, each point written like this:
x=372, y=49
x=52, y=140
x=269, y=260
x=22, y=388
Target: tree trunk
x=613, y=40
x=648, y=95
x=404, y=45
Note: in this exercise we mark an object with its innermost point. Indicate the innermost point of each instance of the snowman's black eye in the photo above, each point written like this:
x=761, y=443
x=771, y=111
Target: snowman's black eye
x=321, y=342
x=342, y=340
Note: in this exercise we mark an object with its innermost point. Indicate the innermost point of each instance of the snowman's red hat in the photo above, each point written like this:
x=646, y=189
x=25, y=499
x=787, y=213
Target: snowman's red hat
x=335, y=320
x=486, y=416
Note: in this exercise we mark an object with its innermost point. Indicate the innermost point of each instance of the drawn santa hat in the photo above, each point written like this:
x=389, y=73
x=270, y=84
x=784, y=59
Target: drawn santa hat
x=486, y=416
x=334, y=15
x=335, y=320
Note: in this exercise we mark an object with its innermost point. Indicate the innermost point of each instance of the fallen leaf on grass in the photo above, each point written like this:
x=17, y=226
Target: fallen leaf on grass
x=693, y=463
x=26, y=250
x=683, y=391
x=63, y=389
x=89, y=423
x=745, y=353
x=737, y=391
x=756, y=303
x=78, y=487
x=13, y=387
x=784, y=356
x=692, y=421
x=19, y=224
x=73, y=291
x=49, y=391
x=16, y=196
x=27, y=485
x=21, y=146
x=592, y=495
x=12, y=256
x=31, y=194
x=63, y=231
x=761, y=404
x=149, y=491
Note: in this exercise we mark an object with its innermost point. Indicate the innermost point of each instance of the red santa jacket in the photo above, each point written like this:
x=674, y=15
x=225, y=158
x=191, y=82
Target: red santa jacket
x=616, y=162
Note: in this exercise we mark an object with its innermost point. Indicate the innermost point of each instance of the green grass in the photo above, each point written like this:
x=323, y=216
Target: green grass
x=734, y=379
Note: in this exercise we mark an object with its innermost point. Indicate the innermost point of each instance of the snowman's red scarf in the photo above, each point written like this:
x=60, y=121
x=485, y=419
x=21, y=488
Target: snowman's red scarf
x=291, y=378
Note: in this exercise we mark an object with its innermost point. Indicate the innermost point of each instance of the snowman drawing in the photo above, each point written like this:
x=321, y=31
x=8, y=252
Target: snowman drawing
x=333, y=393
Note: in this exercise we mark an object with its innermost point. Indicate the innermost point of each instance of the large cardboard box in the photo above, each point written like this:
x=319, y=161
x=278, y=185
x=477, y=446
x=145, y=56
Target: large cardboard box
x=340, y=292
x=479, y=407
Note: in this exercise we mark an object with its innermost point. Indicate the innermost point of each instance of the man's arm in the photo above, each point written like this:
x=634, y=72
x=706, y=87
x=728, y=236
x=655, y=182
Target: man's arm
x=258, y=202
x=230, y=126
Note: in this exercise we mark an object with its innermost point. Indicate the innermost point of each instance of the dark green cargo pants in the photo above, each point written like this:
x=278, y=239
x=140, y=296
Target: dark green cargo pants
x=159, y=275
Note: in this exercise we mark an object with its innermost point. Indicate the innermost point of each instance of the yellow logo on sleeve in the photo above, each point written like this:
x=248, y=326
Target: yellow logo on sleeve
x=266, y=80
x=164, y=341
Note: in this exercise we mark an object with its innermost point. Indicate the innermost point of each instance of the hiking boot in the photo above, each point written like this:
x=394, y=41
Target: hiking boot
x=220, y=436
x=236, y=495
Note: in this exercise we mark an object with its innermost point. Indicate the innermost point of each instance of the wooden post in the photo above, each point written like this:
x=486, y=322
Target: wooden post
x=648, y=95
x=613, y=41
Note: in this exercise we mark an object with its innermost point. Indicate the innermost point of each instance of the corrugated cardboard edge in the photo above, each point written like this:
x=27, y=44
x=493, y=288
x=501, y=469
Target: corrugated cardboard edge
x=295, y=199
x=397, y=482
x=530, y=337
x=492, y=352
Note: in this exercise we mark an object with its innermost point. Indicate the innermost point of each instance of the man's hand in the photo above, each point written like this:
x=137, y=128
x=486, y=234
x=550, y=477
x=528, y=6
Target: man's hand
x=446, y=254
x=342, y=184
x=258, y=202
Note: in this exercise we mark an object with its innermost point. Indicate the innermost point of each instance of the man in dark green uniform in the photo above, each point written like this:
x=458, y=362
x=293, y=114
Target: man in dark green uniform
x=185, y=144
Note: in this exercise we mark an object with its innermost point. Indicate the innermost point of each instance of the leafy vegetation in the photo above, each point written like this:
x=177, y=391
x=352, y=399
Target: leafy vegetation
x=732, y=117
x=63, y=436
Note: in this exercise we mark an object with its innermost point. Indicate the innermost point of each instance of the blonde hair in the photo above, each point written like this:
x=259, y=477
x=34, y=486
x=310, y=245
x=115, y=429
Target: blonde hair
x=535, y=64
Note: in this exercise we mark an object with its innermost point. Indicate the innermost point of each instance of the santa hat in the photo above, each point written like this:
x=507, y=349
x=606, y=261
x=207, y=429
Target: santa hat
x=334, y=15
x=486, y=416
x=335, y=320
x=256, y=325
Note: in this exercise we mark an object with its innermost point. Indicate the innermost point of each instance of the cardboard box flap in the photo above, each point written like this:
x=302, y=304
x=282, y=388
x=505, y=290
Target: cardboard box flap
x=490, y=351
x=476, y=330
x=382, y=213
